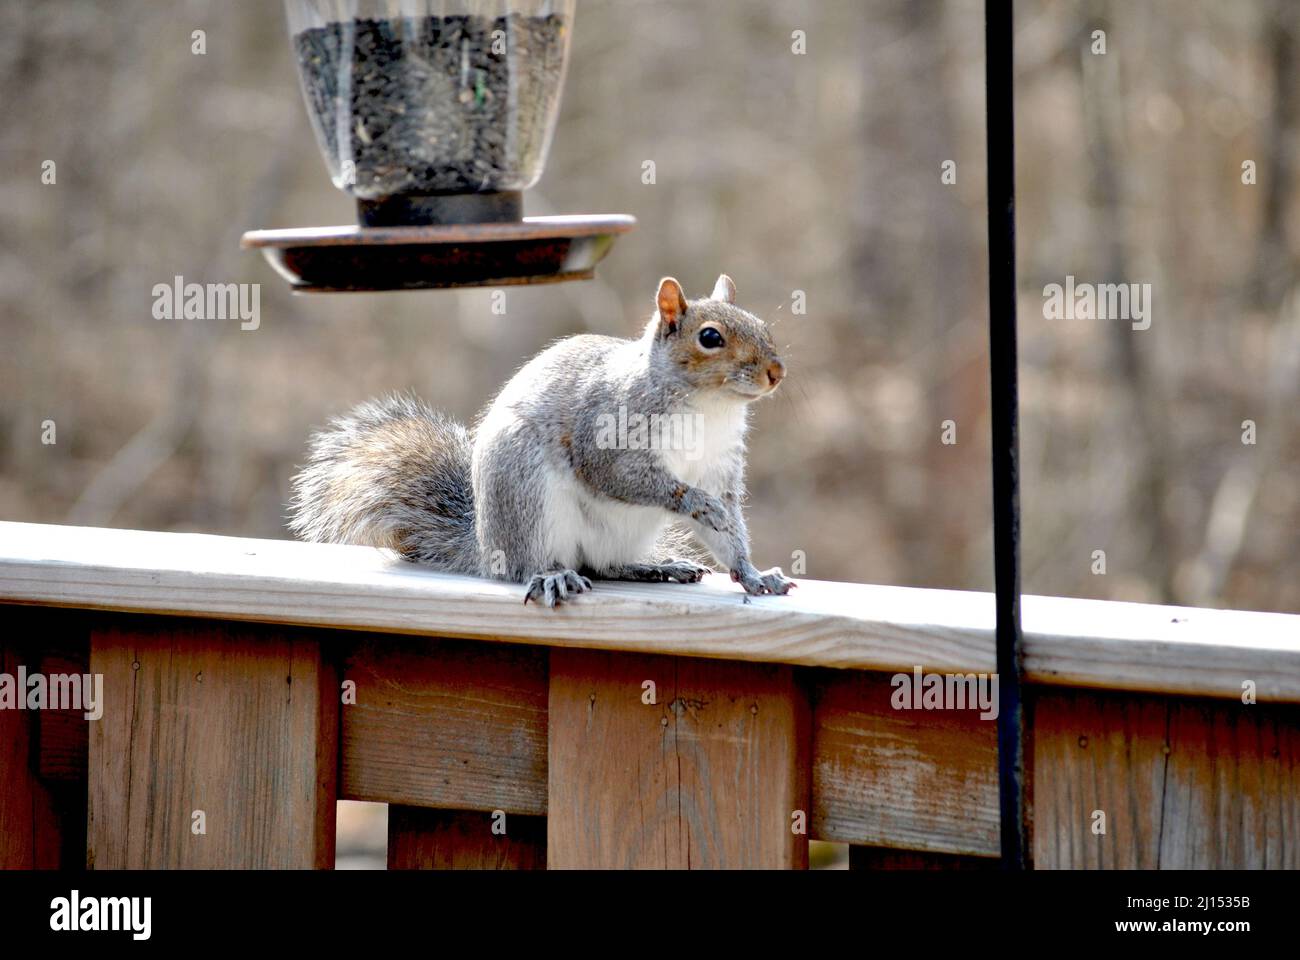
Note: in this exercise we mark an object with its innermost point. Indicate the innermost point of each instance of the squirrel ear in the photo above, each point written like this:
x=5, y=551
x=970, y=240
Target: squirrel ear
x=671, y=303
x=724, y=289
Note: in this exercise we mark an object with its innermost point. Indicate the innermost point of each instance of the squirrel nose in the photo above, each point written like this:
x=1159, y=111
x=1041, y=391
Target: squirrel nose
x=775, y=372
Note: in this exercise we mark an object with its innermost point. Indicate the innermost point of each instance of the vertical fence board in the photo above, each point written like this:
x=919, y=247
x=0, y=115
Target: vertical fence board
x=63, y=735
x=29, y=828
x=1097, y=753
x=706, y=777
x=1183, y=782
x=1232, y=787
x=238, y=721
x=42, y=820
x=426, y=839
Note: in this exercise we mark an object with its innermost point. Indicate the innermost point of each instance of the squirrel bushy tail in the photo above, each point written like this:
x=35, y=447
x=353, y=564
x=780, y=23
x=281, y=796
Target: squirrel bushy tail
x=392, y=473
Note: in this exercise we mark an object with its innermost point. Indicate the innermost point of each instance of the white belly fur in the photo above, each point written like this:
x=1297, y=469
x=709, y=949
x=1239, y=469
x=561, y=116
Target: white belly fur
x=582, y=529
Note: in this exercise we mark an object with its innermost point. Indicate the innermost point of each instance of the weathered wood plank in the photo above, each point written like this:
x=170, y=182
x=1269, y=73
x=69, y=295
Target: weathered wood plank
x=1095, y=754
x=63, y=735
x=422, y=839
x=1068, y=642
x=1183, y=783
x=918, y=779
x=1232, y=787
x=1159, y=649
x=236, y=721
x=30, y=834
x=708, y=776
x=445, y=723
x=42, y=823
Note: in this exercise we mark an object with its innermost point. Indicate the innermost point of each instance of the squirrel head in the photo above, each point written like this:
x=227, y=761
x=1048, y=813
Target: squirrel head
x=714, y=345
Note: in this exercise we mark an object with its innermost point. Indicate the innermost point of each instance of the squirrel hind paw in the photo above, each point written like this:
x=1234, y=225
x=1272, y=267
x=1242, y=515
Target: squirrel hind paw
x=555, y=587
x=685, y=571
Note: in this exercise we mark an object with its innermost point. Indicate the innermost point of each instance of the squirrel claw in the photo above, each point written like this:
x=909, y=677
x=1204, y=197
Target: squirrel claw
x=759, y=584
x=777, y=582
x=683, y=571
x=556, y=587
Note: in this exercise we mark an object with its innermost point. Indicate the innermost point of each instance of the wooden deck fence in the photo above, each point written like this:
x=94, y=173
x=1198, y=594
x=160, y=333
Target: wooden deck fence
x=227, y=733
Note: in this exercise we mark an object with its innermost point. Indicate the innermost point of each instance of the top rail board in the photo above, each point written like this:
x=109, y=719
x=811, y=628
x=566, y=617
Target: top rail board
x=1073, y=642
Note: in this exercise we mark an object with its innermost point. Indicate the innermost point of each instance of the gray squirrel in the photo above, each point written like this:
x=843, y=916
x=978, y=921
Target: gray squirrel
x=580, y=467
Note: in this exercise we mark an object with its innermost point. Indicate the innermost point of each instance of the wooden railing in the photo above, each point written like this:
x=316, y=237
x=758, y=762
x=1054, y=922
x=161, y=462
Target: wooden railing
x=249, y=684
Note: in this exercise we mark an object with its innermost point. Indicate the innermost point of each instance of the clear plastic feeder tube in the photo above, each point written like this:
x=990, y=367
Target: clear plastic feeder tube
x=432, y=98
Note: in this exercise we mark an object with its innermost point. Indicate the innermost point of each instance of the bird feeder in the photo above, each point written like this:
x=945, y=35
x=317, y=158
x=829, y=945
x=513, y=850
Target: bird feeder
x=434, y=116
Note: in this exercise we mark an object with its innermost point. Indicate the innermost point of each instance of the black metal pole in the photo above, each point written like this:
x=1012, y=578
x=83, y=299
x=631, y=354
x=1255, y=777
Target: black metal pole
x=1000, y=113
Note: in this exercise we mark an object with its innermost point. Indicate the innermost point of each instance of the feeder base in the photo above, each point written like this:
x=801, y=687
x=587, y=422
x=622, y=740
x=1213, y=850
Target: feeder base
x=368, y=259
x=441, y=209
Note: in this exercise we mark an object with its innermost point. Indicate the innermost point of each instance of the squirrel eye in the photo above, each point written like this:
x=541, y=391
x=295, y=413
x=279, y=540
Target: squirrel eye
x=710, y=338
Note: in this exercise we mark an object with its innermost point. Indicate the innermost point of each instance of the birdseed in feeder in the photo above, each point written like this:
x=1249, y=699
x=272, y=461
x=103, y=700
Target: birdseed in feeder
x=430, y=105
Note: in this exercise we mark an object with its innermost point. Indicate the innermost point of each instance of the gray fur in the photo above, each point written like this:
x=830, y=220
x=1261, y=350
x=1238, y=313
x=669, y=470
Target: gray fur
x=504, y=501
x=365, y=483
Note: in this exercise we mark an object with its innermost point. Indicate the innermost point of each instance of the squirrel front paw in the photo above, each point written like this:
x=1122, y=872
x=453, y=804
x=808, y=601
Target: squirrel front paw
x=757, y=583
x=706, y=509
x=555, y=587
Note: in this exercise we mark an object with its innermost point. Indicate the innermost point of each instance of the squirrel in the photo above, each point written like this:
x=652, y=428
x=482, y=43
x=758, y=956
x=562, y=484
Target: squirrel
x=585, y=465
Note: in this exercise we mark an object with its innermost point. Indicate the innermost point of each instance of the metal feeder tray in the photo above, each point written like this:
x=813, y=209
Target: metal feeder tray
x=367, y=259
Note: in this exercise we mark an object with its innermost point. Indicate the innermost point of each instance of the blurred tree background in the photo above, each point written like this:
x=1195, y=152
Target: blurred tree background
x=818, y=173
